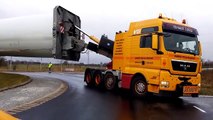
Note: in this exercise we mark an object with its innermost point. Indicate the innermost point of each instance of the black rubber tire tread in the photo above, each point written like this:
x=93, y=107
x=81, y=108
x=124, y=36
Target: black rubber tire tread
x=195, y=95
x=98, y=72
x=136, y=80
x=88, y=75
x=108, y=75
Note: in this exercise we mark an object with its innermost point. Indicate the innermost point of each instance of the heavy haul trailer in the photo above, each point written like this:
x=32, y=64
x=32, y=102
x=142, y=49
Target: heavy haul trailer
x=159, y=56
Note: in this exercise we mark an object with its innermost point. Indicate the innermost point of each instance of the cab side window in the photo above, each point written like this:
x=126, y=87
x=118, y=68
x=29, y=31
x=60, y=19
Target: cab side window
x=146, y=42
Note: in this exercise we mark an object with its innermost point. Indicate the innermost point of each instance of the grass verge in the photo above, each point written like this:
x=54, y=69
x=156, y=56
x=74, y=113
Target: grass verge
x=11, y=80
x=207, y=82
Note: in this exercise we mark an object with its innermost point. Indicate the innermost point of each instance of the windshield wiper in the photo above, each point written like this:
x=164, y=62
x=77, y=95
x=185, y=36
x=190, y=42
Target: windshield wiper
x=187, y=52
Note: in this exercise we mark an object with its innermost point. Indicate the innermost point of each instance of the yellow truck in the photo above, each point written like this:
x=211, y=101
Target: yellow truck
x=156, y=56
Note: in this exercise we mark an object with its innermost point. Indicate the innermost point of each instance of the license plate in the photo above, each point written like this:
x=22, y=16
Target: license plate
x=190, y=89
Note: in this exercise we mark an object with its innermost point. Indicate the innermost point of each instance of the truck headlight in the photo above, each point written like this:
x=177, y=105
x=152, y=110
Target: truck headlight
x=199, y=85
x=164, y=84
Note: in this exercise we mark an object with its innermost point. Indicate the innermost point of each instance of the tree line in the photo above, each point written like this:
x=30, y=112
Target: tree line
x=5, y=62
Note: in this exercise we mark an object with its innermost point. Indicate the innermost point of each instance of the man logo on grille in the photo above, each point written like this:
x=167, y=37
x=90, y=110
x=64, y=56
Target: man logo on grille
x=184, y=66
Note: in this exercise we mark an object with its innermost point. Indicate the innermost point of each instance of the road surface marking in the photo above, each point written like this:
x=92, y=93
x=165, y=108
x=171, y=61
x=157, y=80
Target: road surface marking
x=199, y=109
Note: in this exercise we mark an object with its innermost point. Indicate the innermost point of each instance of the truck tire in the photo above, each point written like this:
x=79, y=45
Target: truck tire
x=88, y=78
x=139, y=87
x=98, y=78
x=109, y=81
x=195, y=95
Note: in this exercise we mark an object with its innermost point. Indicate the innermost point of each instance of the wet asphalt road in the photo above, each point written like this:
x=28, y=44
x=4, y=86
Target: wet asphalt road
x=83, y=103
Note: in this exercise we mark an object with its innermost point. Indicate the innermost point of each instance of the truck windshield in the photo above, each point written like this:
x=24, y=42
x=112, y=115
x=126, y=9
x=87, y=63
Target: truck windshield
x=177, y=42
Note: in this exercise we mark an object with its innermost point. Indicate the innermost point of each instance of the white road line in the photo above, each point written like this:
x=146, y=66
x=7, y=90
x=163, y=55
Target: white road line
x=199, y=109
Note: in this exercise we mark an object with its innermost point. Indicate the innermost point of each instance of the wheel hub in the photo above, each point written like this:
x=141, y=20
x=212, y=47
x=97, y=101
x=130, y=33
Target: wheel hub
x=88, y=78
x=98, y=79
x=109, y=82
x=140, y=87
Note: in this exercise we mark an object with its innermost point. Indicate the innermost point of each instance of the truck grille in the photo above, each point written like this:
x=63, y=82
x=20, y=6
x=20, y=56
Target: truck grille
x=185, y=66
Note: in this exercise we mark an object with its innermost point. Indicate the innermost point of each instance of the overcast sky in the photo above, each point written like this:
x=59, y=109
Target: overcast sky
x=108, y=16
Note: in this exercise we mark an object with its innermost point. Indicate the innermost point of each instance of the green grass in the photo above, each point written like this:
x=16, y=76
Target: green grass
x=9, y=80
x=207, y=82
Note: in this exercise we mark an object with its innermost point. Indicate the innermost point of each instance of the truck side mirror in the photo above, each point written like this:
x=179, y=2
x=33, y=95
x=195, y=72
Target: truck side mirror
x=155, y=42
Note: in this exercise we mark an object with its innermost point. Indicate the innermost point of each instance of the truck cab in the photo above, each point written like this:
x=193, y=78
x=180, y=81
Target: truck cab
x=160, y=56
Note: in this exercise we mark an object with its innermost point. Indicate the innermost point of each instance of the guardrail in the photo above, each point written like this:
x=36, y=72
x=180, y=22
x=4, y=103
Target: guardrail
x=207, y=69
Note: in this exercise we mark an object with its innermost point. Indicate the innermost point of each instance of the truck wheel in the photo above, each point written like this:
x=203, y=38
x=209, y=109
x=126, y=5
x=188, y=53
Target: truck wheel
x=109, y=81
x=98, y=78
x=88, y=78
x=139, y=87
x=195, y=95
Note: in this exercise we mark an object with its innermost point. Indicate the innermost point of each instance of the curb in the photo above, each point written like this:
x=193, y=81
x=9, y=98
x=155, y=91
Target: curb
x=17, y=85
x=63, y=87
x=205, y=96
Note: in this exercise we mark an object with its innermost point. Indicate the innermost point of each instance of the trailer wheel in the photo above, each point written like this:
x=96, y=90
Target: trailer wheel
x=88, y=78
x=139, y=87
x=109, y=81
x=98, y=78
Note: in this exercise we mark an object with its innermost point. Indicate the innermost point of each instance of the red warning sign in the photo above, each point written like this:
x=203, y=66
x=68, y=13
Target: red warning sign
x=62, y=29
